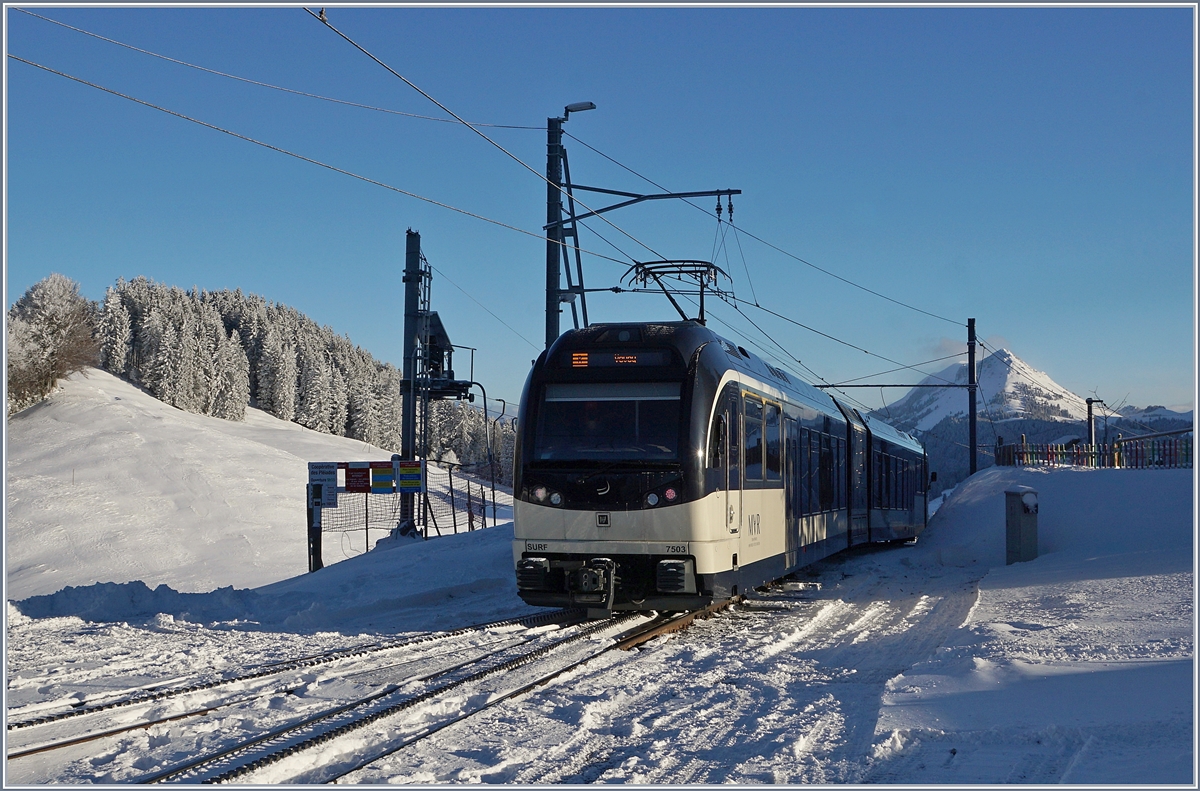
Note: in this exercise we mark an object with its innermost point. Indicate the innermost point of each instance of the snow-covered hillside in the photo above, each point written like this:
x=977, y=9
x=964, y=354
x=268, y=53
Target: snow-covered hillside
x=1008, y=388
x=108, y=484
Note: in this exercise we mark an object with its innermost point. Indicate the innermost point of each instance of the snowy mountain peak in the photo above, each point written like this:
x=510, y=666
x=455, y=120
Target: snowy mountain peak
x=1008, y=388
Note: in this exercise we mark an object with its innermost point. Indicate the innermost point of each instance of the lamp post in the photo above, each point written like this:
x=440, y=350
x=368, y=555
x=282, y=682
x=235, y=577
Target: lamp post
x=554, y=213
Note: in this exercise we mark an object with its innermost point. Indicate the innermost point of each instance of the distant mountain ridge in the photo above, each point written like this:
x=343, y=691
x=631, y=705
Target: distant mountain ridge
x=1009, y=388
x=1014, y=399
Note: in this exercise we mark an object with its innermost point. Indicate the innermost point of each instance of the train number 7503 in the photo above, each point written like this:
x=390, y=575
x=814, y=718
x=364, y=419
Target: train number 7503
x=676, y=549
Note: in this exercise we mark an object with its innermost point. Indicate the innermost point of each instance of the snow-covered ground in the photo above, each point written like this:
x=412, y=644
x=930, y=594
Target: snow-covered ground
x=934, y=663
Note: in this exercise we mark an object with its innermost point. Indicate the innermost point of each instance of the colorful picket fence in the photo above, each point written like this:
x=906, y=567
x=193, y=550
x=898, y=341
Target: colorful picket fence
x=1129, y=454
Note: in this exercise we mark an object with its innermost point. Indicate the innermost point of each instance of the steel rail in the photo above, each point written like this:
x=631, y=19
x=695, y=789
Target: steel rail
x=287, y=665
x=286, y=750
x=626, y=641
x=88, y=737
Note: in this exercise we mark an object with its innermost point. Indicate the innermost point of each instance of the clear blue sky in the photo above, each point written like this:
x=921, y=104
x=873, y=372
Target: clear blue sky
x=1029, y=167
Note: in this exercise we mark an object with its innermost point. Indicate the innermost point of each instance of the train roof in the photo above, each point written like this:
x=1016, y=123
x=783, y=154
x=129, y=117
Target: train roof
x=890, y=433
x=687, y=336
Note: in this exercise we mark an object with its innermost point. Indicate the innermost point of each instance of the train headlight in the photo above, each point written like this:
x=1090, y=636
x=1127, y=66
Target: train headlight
x=670, y=494
x=540, y=493
x=652, y=498
x=556, y=499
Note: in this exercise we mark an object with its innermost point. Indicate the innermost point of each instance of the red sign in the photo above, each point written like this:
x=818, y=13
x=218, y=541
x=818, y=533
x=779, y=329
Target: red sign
x=358, y=479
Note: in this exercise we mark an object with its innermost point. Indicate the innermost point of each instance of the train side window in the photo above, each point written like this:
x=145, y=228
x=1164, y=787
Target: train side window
x=889, y=480
x=753, y=433
x=839, y=478
x=877, y=479
x=791, y=433
x=826, y=474
x=771, y=429
x=814, y=465
x=716, y=442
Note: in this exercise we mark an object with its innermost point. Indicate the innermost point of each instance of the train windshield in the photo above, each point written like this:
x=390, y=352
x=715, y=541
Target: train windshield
x=609, y=421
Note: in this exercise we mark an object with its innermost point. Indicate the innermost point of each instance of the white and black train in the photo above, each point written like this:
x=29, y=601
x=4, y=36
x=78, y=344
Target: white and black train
x=661, y=467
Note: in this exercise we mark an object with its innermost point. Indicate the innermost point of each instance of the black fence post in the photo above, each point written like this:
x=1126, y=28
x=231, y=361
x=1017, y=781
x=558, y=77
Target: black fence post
x=314, y=535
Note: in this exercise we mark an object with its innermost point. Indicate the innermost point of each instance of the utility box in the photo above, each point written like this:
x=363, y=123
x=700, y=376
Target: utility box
x=1020, y=511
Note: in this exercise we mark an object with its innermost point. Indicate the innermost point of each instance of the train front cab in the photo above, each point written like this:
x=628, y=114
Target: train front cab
x=607, y=502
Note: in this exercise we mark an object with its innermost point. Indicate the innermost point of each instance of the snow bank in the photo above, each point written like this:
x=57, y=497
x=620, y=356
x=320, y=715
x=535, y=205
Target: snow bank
x=1080, y=511
x=401, y=585
x=1075, y=667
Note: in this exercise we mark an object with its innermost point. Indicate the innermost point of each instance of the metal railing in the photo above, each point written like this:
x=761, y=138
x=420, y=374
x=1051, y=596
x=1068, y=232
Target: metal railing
x=1126, y=454
x=457, y=502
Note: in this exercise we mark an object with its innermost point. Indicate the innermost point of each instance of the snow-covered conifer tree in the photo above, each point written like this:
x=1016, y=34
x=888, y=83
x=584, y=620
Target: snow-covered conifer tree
x=116, y=332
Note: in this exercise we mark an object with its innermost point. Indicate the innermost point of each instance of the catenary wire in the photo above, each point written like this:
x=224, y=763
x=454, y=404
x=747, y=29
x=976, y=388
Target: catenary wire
x=310, y=160
x=790, y=356
x=496, y=145
x=485, y=307
x=454, y=120
x=1061, y=391
x=901, y=368
x=768, y=244
x=838, y=340
x=267, y=84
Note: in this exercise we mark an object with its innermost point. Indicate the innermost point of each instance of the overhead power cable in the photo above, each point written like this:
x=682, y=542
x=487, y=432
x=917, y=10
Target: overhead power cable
x=901, y=368
x=467, y=124
x=267, y=84
x=837, y=340
x=485, y=307
x=788, y=359
x=310, y=160
x=1061, y=391
x=768, y=244
x=455, y=120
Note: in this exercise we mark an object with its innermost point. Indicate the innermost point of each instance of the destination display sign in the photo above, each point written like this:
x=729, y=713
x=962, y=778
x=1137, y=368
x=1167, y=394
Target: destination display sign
x=640, y=358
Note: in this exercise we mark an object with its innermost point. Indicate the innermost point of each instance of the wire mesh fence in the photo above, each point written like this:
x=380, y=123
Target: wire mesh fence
x=455, y=501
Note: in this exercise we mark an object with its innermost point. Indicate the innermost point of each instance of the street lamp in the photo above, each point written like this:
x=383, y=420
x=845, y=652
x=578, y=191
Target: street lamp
x=577, y=107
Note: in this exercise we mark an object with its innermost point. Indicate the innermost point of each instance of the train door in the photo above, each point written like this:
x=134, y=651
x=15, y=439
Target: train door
x=733, y=462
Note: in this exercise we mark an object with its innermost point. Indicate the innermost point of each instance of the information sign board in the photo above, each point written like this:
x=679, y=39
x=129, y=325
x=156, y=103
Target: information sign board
x=383, y=480
x=358, y=476
x=322, y=479
x=410, y=477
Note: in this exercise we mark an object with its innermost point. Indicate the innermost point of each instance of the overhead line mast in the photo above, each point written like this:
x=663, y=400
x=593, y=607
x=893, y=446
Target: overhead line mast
x=559, y=227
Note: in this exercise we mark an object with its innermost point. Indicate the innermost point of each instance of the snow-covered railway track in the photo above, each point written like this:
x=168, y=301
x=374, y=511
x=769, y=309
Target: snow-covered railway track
x=270, y=691
x=632, y=638
x=324, y=745
x=294, y=743
x=162, y=690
